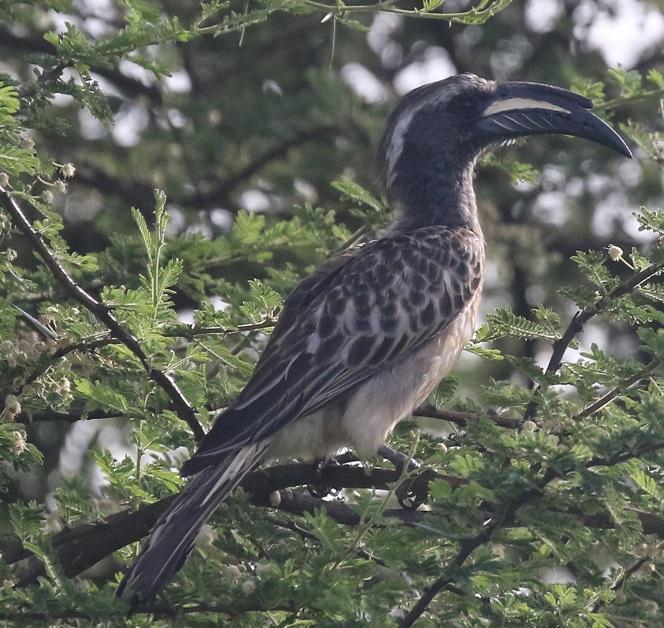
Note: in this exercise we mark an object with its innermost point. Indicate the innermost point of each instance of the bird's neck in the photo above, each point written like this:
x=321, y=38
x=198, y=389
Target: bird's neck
x=443, y=197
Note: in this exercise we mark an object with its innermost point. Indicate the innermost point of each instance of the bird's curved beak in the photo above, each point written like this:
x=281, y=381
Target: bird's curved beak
x=532, y=109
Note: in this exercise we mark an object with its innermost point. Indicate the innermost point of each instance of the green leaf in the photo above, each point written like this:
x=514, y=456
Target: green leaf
x=355, y=192
x=503, y=322
x=103, y=395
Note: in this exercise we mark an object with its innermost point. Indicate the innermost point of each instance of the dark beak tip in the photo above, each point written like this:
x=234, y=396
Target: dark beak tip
x=627, y=152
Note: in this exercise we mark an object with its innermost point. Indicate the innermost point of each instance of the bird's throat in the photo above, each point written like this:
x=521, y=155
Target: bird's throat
x=444, y=196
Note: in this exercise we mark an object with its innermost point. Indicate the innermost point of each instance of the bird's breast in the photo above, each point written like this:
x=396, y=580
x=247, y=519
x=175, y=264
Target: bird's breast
x=378, y=405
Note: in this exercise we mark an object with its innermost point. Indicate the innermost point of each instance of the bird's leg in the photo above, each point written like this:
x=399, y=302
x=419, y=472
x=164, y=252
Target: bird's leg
x=410, y=493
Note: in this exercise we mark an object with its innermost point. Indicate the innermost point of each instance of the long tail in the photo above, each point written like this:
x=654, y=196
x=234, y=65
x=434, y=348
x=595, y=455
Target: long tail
x=173, y=535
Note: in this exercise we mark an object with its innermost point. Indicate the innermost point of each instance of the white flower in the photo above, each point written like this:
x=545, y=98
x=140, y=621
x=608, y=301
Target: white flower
x=4, y=179
x=529, y=427
x=12, y=405
x=68, y=170
x=615, y=252
x=231, y=572
x=275, y=499
x=248, y=587
x=20, y=444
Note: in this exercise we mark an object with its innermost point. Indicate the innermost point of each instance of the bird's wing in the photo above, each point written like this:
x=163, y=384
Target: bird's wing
x=342, y=326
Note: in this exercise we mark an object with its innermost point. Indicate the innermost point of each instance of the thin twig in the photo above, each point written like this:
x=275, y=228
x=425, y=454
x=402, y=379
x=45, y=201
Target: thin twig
x=187, y=331
x=620, y=101
x=463, y=418
x=624, y=456
x=612, y=394
x=27, y=417
x=466, y=548
x=102, y=312
x=481, y=15
x=622, y=579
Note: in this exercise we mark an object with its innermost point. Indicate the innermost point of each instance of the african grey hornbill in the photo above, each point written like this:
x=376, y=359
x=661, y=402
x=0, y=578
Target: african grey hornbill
x=365, y=339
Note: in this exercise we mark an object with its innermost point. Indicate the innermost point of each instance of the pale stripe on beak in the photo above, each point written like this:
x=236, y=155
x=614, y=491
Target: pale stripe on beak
x=512, y=104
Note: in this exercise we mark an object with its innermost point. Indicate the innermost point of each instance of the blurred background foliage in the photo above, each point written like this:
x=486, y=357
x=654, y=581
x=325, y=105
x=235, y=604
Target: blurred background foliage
x=259, y=120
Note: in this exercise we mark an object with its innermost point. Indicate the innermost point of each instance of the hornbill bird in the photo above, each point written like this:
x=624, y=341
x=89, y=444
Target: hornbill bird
x=363, y=341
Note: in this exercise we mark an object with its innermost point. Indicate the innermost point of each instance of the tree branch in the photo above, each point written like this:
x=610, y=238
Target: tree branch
x=84, y=345
x=141, y=194
x=468, y=546
x=189, y=332
x=27, y=417
x=81, y=547
x=179, y=403
x=156, y=611
x=222, y=191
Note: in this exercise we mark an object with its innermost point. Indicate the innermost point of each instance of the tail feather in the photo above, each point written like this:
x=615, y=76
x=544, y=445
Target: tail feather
x=173, y=536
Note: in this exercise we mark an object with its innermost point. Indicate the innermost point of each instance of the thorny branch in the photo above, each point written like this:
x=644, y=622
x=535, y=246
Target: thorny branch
x=583, y=316
x=102, y=312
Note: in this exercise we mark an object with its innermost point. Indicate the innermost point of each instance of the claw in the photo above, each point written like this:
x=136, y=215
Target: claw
x=411, y=493
x=320, y=490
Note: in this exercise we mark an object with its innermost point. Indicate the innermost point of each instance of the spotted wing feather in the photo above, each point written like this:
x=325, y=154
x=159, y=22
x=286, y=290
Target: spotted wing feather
x=341, y=327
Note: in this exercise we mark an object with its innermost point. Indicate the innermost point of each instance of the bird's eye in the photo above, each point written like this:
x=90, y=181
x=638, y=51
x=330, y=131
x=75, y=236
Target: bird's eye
x=465, y=105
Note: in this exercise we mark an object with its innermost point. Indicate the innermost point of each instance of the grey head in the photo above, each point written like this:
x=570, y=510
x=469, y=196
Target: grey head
x=436, y=132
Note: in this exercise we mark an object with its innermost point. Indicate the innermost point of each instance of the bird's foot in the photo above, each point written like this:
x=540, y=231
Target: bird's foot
x=320, y=489
x=411, y=491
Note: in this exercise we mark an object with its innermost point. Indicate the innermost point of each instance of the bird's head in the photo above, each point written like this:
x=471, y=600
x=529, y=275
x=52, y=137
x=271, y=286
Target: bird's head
x=439, y=129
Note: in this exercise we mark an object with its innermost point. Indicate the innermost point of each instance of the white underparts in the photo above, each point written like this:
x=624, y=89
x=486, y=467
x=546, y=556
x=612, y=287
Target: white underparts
x=371, y=412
